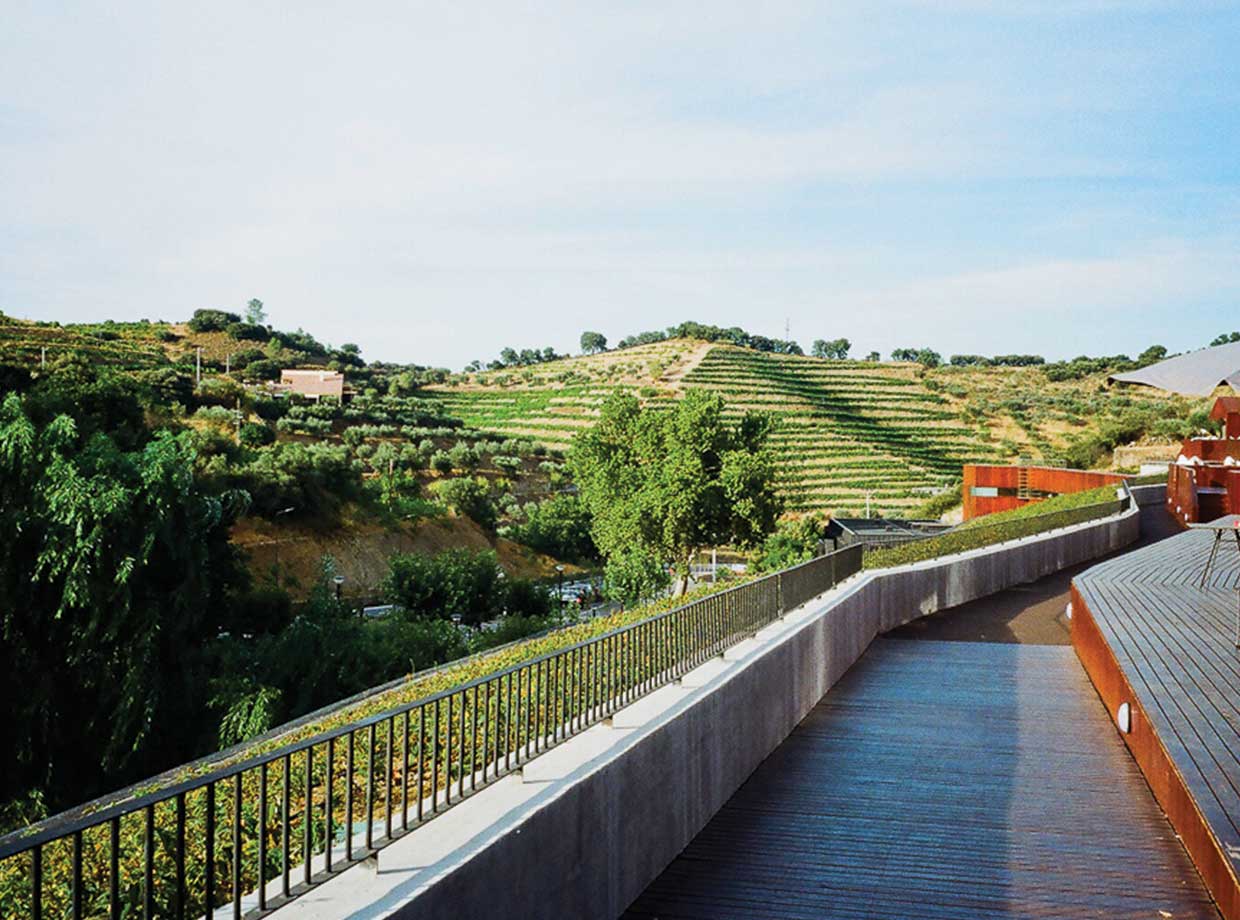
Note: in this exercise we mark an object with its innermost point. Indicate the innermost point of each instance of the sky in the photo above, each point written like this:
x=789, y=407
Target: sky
x=435, y=182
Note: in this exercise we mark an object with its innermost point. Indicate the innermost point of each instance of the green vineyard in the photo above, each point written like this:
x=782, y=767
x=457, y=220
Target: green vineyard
x=847, y=430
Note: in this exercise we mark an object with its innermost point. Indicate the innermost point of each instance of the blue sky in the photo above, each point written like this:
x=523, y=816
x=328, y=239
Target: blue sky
x=437, y=181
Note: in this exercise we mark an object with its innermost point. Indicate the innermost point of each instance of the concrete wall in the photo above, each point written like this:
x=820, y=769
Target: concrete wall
x=584, y=831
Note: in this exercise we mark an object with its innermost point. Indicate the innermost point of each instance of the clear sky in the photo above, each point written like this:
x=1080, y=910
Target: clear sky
x=437, y=181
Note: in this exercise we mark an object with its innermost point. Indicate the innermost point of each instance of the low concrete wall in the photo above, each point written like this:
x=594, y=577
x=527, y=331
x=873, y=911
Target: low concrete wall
x=1150, y=495
x=586, y=833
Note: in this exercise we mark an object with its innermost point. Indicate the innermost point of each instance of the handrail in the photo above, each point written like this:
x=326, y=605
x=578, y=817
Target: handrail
x=189, y=847
x=421, y=757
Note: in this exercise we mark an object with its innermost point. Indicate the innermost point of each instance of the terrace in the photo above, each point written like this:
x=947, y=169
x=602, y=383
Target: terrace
x=805, y=745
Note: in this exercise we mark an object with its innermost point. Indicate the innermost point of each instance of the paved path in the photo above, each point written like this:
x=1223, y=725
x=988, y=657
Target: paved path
x=942, y=779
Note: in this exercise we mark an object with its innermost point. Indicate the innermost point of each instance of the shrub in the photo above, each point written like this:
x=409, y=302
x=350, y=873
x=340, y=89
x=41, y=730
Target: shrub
x=455, y=582
x=792, y=543
x=471, y=498
x=559, y=527
x=248, y=332
x=441, y=462
x=263, y=369
x=256, y=435
x=212, y=320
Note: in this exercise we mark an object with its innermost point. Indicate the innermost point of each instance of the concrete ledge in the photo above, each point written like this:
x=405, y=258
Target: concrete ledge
x=591, y=824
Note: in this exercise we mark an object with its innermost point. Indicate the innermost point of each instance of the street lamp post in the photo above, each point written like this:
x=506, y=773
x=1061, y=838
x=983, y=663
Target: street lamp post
x=559, y=589
x=338, y=581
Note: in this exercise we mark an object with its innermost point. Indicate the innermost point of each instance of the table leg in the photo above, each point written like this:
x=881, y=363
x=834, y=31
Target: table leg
x=1205, y=573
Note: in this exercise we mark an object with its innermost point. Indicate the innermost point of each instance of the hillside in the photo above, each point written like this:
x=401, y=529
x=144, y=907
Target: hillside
x=894, y=431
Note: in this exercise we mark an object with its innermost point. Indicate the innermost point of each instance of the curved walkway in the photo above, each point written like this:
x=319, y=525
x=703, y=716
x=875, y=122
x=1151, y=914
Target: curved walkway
x=944, y=779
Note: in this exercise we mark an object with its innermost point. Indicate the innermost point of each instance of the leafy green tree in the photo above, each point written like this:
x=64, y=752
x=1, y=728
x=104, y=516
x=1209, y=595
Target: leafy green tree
x=114, y=570
x=835, y=348
x=1152, y=355
x=471, y=497
x=212, y=320
x=794, y=542
x=662, y=484
x=927, y=357
x=559, y=527
x=254, y=435
x=1225, y=338
x=874, y=356
x=460, y=582
x=593, y=342
x=255, y=314
x=635, y=574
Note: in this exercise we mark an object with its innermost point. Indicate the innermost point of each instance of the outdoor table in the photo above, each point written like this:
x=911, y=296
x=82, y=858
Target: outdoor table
x=1230, y=523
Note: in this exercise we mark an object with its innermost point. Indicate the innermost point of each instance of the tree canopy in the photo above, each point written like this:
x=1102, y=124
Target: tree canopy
x=662, y=484
x=593, y=342
x=835, y=348
x=115, y=569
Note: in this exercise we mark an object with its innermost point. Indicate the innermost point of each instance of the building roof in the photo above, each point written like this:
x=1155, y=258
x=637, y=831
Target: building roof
x=321, y=373
x=1197, y=373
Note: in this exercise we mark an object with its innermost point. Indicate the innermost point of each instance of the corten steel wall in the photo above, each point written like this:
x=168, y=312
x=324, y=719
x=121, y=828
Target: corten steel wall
x=1184, y=500
x=1039, y=478
x=590, y=848
x=1155, y=763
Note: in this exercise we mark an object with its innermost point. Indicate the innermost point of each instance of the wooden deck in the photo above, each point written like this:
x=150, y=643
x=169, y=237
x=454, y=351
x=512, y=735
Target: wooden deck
x=941, y=780
x=1150, y=636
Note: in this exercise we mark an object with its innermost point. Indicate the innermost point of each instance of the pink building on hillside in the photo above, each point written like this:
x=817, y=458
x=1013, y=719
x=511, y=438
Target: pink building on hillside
x=313, y=383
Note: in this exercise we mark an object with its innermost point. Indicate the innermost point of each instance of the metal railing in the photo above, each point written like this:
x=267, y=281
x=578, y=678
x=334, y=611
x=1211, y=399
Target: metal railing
x=248, y=837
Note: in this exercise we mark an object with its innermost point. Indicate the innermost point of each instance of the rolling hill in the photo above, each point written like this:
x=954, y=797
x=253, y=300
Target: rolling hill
x=894, y=432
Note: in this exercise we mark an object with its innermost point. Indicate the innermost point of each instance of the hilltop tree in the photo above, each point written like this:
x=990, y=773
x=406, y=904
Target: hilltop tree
x=1152, y=355
x=212, y=320
x=1226, y=339
x=662, y=484
x=874, y=356
x=254, y=312
x=593, y=342
x=835, y=348
x=927, y=357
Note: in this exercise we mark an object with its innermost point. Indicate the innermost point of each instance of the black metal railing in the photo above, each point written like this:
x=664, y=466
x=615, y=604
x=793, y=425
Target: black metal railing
x=255, y=834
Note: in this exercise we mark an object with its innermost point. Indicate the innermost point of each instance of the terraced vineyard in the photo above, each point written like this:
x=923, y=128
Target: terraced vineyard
x=24, y=344
x=847, y=429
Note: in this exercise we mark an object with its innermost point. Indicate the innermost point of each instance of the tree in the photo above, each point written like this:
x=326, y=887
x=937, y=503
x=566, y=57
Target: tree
x=1152, y=355
x=926, y=357
x=874, y=357
x=1226, y=339
x=559, y=527
x=212, y=320
x=254, y=312
x=469, y=497
x=593, y=342
x=662, y=484
x=460, y=582
x=114, y=572
x=835, y=348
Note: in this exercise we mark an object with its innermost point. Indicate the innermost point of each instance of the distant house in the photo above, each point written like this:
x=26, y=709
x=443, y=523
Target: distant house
x=313, y=383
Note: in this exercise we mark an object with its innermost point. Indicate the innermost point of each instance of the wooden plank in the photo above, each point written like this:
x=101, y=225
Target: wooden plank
x=940, y=779
x=1149, y=635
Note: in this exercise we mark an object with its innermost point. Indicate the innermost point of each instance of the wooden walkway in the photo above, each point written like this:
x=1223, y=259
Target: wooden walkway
x=941, y=780
x=1151, y=636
